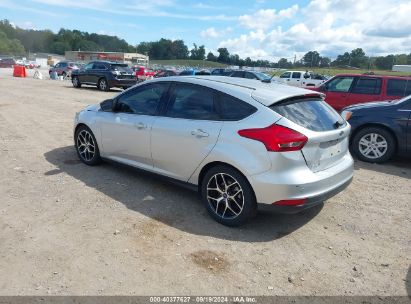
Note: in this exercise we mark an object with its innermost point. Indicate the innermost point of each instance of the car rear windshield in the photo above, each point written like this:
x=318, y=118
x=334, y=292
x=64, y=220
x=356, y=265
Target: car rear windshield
x=121, y=68
x=313, y=114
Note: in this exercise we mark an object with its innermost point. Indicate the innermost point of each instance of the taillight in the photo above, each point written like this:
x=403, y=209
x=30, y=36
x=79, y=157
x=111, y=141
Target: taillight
x=292, y=202
x=276, y=138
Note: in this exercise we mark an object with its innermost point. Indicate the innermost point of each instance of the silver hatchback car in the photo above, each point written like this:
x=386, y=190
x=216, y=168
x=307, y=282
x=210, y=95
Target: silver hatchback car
x=237, y=141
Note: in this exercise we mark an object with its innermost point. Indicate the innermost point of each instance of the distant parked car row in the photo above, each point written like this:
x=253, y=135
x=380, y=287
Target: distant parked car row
x=10, y=62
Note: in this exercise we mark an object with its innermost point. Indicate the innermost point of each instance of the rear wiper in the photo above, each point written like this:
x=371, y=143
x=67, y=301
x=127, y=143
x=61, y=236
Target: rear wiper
x=338, y=124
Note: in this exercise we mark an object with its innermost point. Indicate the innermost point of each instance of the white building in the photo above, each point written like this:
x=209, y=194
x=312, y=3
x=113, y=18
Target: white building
x=401, y=68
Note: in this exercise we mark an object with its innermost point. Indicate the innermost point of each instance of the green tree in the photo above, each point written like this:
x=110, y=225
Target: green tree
x=211, y=57
x=224, y=55
x=312, y=58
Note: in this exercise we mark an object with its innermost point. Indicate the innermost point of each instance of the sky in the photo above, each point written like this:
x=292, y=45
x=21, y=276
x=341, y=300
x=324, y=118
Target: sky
x=260, y=29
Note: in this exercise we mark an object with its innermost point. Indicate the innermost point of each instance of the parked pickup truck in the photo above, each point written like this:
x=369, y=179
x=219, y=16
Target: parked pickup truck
x=301, y=79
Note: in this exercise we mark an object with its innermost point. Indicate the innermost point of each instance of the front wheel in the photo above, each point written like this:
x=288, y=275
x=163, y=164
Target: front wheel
x=373, y=144
x=228, y=196
x=86, y=146
x=76, y=82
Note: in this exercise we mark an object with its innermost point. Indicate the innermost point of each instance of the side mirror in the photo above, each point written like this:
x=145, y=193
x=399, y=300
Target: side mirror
x=107, y=105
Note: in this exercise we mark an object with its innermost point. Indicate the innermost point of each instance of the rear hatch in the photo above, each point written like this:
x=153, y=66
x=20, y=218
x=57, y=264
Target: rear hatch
x=122, y=71
x=326, y=130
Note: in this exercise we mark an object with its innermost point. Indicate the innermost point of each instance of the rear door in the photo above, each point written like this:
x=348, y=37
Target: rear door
x=96, y=72
x=337, y=90
x=365, y=89
x=326, y=130
x=186, y=132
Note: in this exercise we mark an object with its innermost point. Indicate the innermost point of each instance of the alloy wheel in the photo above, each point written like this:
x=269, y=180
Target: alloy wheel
x=86, y=145
x=225, y=196
x=373, y=145
x=103, y=85
x=75, y=81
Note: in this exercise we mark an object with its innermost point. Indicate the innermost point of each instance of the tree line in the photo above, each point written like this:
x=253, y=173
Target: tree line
x=18, y=41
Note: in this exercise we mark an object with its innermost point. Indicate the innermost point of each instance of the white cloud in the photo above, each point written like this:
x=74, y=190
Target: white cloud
x=264, y=18
x=211, y=32
x=328, y=26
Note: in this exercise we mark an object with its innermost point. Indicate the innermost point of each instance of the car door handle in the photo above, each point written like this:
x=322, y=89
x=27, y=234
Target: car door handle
x=199, y=133
x=141, y=126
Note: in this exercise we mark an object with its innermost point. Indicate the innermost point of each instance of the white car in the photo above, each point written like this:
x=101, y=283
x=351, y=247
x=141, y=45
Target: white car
x=303, y=79
x=238, y=142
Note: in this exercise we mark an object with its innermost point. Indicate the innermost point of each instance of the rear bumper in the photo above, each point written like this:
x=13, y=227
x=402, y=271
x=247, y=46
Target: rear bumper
x=312, y=201
x=122, y=82
x=301, y=183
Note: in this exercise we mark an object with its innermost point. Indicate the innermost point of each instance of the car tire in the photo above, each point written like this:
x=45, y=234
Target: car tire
x=373, y=144
x=102, y=85
x=86, y=146
x=76, y=82
x=228, y=196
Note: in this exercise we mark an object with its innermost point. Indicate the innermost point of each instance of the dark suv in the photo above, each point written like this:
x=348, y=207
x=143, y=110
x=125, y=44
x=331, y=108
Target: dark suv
x=105, y=75
x=7, y=62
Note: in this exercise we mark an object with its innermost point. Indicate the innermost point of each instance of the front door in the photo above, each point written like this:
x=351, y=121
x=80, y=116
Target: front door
x=186, y=132
x=126, y=131
x=337, y=90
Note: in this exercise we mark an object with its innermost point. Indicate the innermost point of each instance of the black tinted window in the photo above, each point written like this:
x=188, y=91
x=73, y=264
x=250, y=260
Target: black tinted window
x=99, y=66
x=396, y=87
x=142, y=100
x=192, y=102
x=367, y=86
x=249, y=75
x=233, y=108
x=238, y=74
x=312, y=114
x=296, y=75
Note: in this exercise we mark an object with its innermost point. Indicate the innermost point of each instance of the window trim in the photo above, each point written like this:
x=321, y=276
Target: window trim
x=163, y=98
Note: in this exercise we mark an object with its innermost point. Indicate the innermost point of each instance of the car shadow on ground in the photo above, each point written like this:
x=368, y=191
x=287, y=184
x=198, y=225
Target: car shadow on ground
x=170, y=204
x=397, y=166
x=93, y=88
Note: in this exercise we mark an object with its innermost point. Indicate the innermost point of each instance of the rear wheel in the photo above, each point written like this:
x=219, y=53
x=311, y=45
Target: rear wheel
x=373, y=144
x=86, y=146
x=228, y=196
x=103, y=85
x=76, y=82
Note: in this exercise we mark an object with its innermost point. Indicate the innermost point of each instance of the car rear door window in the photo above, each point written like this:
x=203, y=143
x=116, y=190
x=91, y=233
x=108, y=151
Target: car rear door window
x=367, y=85
x=99, y=66
x=296, y=75
x=249, y=75
x=192, y=102
x=238, y=74
x=143, y=100
x=340, y=84
x=396, y=87
x=233, y=109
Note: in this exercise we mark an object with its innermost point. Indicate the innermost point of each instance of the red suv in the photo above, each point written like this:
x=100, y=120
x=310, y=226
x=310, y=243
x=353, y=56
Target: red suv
x=143, y=73
x=348, y=89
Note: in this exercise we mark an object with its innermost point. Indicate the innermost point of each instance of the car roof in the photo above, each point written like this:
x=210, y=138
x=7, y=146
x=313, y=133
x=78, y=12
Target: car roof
x=265, y=93
x=374, y=76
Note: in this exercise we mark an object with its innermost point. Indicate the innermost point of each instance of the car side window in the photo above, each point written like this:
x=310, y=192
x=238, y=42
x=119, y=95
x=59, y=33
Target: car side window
x=99, y=66
x=340, y=84
x=249, y=75
x=192, y=102
x=57, y=65
x=285, y=75
x=88, y=66
x=63, y=64
x=396, y=87
x=238, y=74
x=296, y=75
x=142, y=100
x=367, y=85
x=234, y=109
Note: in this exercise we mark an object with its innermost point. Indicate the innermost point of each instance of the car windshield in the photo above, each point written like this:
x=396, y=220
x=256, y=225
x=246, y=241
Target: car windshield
x=262, y=76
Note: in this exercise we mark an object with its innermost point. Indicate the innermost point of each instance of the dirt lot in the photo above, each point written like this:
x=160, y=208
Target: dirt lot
x=70, y=229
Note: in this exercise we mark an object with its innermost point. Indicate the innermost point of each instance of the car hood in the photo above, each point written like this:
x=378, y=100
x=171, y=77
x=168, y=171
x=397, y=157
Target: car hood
x=93, y=108
x=370, y=105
